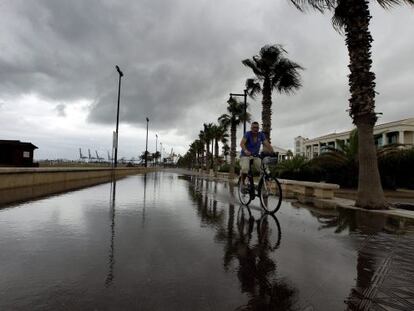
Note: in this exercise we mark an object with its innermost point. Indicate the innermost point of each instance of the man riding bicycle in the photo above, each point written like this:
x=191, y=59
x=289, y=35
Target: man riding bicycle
x=250, y=145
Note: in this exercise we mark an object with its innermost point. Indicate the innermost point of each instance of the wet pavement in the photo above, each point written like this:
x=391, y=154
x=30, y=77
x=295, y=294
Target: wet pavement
x=166, y=241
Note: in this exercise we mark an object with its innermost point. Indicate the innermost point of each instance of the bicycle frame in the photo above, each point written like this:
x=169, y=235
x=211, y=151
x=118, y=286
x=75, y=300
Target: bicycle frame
x=264, y=172
x=268, y=187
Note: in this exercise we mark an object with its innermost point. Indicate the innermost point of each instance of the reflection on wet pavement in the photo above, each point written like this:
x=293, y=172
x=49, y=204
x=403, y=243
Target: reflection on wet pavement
x=165, y=241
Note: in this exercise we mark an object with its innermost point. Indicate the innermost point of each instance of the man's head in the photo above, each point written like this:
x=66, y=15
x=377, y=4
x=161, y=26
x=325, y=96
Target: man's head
x=255, y=127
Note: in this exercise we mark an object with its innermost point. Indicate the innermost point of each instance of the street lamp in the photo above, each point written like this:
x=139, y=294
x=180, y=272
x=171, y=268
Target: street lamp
x=156, y=146
x=161, y=152
x=146, y=147
x=245, y=106
x=117, y=116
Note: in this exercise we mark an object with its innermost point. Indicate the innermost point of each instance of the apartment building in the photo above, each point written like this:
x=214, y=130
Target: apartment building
x=401, y=131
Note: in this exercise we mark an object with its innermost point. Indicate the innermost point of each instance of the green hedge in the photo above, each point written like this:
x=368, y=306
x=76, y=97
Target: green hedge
x=396, y=170
x=225, y=168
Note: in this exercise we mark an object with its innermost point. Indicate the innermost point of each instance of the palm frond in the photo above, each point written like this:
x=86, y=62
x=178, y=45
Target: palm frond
x=285, y=76
x=270, y=54
x=253, y=65
x=319, y=5
x=389, y=4
x=388, y=150
x=340, y=17
x=253, y=87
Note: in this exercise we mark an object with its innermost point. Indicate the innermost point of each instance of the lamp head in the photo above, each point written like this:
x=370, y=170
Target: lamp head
x=119, y=70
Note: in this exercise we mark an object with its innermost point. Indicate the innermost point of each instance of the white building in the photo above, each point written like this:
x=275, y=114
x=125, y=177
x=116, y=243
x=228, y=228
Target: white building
x=401, y=132
x=283, y=154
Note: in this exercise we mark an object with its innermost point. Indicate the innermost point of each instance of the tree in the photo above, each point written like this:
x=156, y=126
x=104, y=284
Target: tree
x=208, y=137
x=226, y=151
x=199, y=151
x=219, y=133
x=273, y=72
x=232, y=119
x=352, y=17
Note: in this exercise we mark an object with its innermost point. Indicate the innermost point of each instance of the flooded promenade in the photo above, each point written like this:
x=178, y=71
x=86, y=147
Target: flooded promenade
x=169, y=241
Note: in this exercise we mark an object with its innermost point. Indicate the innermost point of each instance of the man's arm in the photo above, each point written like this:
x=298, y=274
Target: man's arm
x=243, y=146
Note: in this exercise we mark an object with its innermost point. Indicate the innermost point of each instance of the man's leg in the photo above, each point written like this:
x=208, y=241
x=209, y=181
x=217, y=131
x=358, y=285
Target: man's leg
x=257, y=162
x=244, y=168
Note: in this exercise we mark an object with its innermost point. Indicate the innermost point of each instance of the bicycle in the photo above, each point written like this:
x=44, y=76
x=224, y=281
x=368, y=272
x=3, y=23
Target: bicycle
x=268, y=189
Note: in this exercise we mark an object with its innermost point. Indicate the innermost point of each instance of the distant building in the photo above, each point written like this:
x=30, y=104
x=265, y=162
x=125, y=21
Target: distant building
x=300, y=145
x=16, y=153
x=401, y=132
x=283, y=154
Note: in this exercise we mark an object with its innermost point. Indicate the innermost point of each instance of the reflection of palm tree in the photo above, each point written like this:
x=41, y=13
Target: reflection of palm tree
x=342, y=220
x=365, y=225
x=361, y=296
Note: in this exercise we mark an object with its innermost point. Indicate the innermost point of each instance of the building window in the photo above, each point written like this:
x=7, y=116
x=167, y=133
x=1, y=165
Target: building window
x=378, y=141
x=393, y=138
x=26, y=154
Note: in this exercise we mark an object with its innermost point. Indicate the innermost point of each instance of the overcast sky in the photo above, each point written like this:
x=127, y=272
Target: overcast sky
x=180, y=60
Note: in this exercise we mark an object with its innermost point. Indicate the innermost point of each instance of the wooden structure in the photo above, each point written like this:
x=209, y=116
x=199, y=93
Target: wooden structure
x=16, y=153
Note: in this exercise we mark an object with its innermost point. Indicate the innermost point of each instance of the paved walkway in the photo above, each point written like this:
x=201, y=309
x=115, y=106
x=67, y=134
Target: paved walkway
x=383, y=260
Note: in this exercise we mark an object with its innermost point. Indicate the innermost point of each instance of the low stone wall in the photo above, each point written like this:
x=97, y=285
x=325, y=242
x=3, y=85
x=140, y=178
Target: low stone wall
x=11, y=178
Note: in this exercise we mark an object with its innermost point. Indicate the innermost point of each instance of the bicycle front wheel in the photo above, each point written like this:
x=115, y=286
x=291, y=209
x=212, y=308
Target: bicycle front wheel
x=270, y=193
x=244, y=191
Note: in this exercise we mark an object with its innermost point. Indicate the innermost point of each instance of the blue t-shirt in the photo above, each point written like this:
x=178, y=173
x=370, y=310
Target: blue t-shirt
x=251, y=145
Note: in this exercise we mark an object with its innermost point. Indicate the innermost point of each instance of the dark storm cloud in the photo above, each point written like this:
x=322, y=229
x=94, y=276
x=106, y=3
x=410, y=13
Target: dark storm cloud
x=181, y=59
x=174, y=55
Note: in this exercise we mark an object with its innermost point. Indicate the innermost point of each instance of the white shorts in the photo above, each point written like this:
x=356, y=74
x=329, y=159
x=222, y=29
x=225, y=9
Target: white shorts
x=244, y=163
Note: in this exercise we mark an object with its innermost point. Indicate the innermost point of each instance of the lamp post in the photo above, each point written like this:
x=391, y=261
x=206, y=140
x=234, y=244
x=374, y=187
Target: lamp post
x=146, y=147
x=245, y=106
x=117, y=116
x=156, y=146
x=161, y=152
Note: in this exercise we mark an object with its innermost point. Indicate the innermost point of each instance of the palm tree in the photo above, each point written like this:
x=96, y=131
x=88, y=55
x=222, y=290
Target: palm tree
x=219, y=133
x=226, y=151
x=273, y=72
x=345, y=153
x=208, y=138
x=199, y=149
x=234, y=117
x=352, y=17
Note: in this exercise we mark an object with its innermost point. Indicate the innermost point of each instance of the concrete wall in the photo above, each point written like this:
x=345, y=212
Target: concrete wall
x=11, y=178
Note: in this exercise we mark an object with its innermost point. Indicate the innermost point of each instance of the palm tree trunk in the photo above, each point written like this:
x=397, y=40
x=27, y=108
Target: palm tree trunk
x=208, y=156
x=267, y=108
x=232, y=149
x=362, y=103
x=370, y=192
x=216, y=146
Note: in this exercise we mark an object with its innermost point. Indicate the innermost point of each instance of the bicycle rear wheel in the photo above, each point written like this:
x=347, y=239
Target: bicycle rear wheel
x=244, y=191
x=270, y=193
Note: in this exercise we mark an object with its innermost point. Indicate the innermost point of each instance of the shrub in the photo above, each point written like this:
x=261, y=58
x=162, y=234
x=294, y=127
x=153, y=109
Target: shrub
x=225, y=168
x=397, y=169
